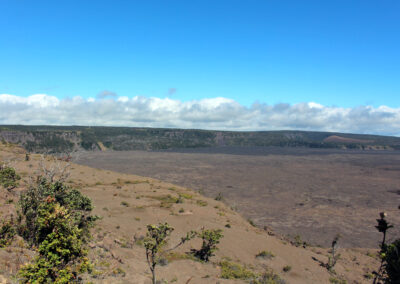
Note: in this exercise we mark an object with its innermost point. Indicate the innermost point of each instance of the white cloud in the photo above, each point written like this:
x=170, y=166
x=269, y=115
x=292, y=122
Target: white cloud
x=213, y=113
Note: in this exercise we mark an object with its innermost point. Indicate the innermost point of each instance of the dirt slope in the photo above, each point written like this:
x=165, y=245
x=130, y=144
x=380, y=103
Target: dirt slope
x=127, y=203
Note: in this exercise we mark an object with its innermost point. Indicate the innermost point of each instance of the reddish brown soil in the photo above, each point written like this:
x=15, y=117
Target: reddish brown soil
x=313, y=193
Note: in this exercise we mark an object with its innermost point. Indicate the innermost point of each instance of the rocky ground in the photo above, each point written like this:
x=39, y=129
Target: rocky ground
x=313, y=193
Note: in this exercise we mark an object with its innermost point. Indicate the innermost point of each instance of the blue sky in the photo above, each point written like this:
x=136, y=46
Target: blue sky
x=342, y=53
x=246, y=65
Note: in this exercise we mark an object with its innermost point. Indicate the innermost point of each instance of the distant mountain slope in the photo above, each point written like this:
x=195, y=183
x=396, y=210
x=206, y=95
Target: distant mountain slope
x=69, y=138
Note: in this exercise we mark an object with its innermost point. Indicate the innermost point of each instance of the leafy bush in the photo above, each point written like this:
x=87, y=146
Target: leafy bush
x=391, y=258
x=124, y=203
x=232, y=270
x=7, y=233
x=56, y=220
x=286, y=268
x=62, y=254
x=265, y=254
x=8, y=177
x=209, y=246
x=389, y=270
x=219, y=197
x=268, y=277
x=335, y=280
x=167, y=200
x=78, y=205
x=202, y=203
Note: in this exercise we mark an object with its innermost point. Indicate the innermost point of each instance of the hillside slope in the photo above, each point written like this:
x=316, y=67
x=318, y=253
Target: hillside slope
x=127, y=203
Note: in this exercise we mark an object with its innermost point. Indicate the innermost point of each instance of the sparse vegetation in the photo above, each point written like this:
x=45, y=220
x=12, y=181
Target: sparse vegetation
x=251, y=222
x=268, y=277
x=124, y=203
x=286, y=268
x=210, y=240
x=232, y=270
x=202, y=203
x=166, y=201
x=185, y=195
x=335, y=280
x=298, y=242
x=368, y=276
x=219, y=197
x=265, y=254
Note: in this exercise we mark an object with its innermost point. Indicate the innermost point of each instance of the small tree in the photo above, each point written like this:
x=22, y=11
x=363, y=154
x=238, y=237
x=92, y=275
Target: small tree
x=8, y=177
x=209, y=246
x=155, y=240
x=333, y=258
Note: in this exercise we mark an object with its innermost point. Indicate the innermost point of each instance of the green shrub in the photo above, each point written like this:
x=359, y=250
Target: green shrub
x=299, y=242
x=219, y=197
x=286, y=268
x=8, y=177
x=62, y=254
x=167, y=200
x=73, y=200
x=389, y=270
x=391, y=259
x=7, y=233
x=185, y=195
x=124, y=203
x=368, y=276
x=268, y=277
x=335, y=280
x=56, y=220
x=209, y=246
x=251, y=222
x=231, y=270
x=202, y=203
x=119, y=271
x=265, y=254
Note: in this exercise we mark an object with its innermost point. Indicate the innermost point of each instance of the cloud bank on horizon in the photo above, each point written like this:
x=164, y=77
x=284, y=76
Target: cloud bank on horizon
x=214, y=113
